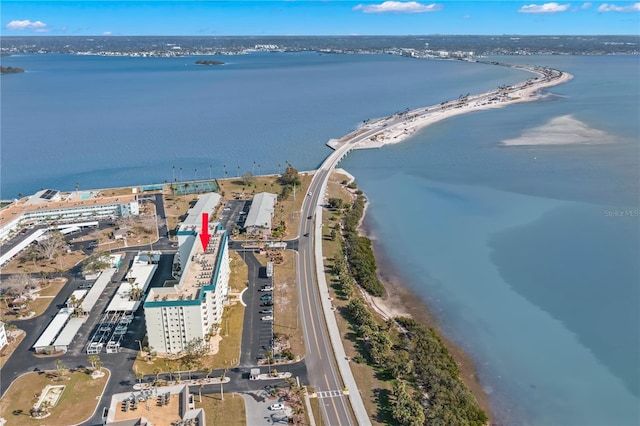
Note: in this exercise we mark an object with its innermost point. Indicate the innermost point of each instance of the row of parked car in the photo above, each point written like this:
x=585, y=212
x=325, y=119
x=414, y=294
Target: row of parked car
x=267, y=303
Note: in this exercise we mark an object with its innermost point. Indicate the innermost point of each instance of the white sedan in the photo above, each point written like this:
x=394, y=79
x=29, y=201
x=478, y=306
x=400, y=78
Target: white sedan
x=267, y=318
x=277, y=406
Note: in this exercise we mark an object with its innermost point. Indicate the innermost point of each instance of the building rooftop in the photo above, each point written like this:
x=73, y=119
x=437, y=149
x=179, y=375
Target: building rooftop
x=22, y=206
x=261, y=210
x=206, y=203
x=165, y=405
x=199, y=271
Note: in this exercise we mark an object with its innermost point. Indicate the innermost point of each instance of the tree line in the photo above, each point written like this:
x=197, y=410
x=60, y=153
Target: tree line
x=426, y=383
x=358, y=250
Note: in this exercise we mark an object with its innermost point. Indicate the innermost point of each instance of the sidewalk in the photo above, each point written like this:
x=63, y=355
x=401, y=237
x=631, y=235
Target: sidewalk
x=334, y=334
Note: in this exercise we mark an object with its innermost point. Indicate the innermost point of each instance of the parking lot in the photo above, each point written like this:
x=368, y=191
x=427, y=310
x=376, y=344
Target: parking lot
x=234, y=213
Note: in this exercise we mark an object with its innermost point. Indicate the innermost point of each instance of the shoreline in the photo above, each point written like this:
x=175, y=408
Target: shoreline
x=399, y=127
x=400, y=300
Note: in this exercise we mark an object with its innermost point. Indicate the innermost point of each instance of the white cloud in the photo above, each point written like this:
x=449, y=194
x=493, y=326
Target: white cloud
x=613, y=8
x=586, y=5
x=26, y=24
x=107, y=33
x=398, y=7
x=544, y=8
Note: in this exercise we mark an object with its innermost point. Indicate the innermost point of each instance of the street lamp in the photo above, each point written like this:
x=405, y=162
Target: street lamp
x=139, y=346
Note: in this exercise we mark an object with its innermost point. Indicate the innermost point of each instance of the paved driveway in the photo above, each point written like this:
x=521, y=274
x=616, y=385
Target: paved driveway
x=257, y=408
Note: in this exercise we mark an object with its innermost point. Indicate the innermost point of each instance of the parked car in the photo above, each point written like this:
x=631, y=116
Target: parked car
x=267, y=318
x=267, y=311
x=277, y=406
x=267, y=288
x=268, y=303
x=266, y=297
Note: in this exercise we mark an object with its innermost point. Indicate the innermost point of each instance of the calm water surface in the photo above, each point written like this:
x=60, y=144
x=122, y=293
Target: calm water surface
x=527, y=254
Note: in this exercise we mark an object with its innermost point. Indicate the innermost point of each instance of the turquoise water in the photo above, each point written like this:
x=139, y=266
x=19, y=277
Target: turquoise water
x=527, y=254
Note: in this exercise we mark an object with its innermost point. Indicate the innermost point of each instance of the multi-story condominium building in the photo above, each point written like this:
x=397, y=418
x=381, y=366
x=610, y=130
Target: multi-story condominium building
x=182, y=314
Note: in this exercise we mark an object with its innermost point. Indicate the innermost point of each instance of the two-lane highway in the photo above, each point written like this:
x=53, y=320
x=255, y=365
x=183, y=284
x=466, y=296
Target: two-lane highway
x=324, y=374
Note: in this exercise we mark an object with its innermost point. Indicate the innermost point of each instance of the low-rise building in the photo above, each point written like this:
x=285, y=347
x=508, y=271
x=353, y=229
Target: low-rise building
x=50, y=206
x=258, y=220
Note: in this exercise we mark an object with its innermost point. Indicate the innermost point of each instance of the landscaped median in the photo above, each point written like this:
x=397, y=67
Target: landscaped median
x=62, y=397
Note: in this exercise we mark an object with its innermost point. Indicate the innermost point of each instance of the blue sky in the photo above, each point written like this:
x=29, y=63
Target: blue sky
x=326, y=17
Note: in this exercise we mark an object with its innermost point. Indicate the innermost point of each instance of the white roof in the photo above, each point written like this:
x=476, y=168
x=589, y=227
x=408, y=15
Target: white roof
x=78, y=294
x=69, y=332
x=206, y=204
x=21, y=246
x=98, y=287
x=261, y=210
x=142, y=274
x=53, y=329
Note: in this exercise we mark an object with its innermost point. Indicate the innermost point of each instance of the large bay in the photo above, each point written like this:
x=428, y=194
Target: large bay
x=528, y=254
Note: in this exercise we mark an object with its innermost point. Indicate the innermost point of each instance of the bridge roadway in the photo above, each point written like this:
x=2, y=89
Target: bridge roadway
x=325, y=371
x=327, y=367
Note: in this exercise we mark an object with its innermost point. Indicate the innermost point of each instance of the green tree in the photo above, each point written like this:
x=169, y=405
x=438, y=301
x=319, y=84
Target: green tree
x=93, y=359
x=290, y=177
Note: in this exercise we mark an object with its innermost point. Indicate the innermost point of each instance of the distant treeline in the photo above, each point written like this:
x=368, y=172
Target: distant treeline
x=209, y=62
x=10, y=70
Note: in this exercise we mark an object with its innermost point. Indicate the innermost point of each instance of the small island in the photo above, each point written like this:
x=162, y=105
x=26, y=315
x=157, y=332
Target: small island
x=10, y=70
x=209, y=62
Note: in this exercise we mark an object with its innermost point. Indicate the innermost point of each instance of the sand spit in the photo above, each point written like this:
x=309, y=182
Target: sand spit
x=563, y=130
x=399, y=127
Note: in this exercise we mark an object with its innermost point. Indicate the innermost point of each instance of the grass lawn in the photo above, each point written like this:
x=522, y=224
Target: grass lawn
x=77, y=403
x=227, y=356
x=239, y=272
x=40, y=304
x=63, y=262
x=230, y=412
x=286, y=314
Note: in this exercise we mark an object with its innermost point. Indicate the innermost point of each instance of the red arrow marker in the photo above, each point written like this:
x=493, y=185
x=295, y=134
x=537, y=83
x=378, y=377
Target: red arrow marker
x=204, y=233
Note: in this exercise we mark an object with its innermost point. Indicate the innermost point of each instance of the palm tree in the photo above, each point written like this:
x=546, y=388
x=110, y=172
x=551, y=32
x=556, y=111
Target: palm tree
x=157, y=372
x=93, y=359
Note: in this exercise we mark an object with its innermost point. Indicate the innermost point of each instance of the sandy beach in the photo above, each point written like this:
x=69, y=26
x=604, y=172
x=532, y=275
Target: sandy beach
x=394, y=131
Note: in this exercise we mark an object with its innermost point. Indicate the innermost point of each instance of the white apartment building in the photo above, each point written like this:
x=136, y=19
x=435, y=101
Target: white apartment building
x=177, y=315
x=48, y=206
